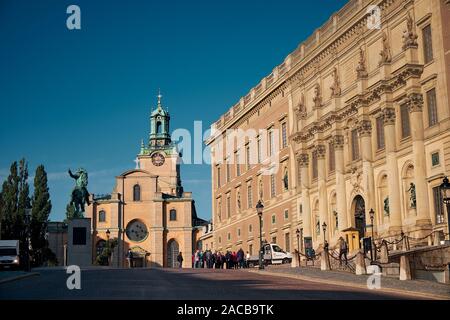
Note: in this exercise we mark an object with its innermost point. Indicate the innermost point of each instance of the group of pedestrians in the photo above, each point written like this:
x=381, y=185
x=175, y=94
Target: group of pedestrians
x=219, y=260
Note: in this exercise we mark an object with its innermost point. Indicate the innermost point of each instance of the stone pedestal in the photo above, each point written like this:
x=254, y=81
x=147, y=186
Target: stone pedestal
x=79, y=242
x=384, y=253
x=325, y=261
x=295, y=260
x=360, y=264
x=405, y=268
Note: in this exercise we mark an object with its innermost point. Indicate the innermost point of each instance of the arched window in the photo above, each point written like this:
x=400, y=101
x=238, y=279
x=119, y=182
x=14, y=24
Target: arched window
x=137, y=192
x=158, y=127
x=102, y=216
x=173, y=215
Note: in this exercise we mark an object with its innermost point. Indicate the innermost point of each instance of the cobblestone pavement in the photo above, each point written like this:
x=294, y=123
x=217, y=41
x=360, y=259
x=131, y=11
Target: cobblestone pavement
x=419, y=287
x=183, y=284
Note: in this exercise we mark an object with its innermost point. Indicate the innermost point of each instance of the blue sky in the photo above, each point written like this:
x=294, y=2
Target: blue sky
x=83, y=97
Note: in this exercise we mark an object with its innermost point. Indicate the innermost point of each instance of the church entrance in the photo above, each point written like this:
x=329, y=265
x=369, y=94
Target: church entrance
x=359, y=209
x=173, y=249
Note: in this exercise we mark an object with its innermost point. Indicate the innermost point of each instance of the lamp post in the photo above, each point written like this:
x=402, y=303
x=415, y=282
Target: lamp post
x=108, y=234
x=259, y=210
x=445, y=193
x=324, y=228
x=372, y=247
x=27, y=238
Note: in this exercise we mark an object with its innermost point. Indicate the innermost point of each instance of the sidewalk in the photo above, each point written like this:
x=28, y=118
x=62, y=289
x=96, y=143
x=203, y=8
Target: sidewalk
x=426, y=289
x=8, y=276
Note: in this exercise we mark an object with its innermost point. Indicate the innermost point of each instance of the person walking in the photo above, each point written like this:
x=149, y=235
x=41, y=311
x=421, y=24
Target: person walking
x=247, y=257
x=343, y=249
x=130, y=258
x=234, y=260
x=180, y=260
x=240, y=258
x=196, y=259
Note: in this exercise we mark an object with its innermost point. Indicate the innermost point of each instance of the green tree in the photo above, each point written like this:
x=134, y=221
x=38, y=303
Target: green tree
x=41, y=207
x=71, y=213
x=23, y=202
x=10, y=192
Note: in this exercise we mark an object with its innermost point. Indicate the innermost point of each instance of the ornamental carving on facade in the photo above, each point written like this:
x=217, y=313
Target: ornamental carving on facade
x=336, y=87
x=338, y=142
x=415, y=102
x=356, y=178
x=300, y=109
x=389, y=115
x=303, y=159
x=361, y=68
x=409, y=35
x=317, y=96
x=385, y=54
x=365, y=128
x=320, y=151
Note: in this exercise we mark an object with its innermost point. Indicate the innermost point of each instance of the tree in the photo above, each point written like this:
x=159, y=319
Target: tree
x=10, y=191
x=23, y=202
x=41, y=207
x=71, y=213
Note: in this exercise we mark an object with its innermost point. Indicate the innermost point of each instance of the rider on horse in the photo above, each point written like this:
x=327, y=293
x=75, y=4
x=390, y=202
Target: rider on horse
x=79, y=195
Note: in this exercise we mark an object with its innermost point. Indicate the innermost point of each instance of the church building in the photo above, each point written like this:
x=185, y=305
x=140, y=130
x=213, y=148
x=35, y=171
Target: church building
x=148, y=211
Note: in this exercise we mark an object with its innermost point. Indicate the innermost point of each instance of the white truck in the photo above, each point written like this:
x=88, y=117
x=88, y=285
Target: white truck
x=273, y=254
x=9, y=254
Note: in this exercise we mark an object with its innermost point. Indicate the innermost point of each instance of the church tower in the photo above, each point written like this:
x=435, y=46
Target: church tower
x=159, y=127
x=160, y=156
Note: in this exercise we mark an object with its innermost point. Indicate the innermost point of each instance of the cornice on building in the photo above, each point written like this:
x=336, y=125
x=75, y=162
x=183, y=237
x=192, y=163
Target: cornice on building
x=339, y=28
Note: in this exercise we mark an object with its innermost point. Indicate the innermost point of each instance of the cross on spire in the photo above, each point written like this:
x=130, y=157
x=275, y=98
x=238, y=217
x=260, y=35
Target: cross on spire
x=138, y=164
x=159, y=98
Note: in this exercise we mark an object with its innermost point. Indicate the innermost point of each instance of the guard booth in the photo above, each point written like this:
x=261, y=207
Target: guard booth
x=351, y=236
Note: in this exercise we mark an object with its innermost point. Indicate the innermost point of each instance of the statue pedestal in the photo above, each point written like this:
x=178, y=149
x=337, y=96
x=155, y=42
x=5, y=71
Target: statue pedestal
x=79, y=242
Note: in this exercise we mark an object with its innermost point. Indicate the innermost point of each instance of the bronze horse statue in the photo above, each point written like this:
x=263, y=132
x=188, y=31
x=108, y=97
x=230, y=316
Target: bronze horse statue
x=80, y=195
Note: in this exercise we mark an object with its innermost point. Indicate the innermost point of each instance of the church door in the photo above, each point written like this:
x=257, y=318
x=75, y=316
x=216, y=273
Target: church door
x=172, y=252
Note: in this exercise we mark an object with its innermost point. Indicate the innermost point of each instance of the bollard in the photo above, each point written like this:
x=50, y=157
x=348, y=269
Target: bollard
x=325, y=261
x=295, y=260
x=360, y=267
x=405, y=268
x=384, y=252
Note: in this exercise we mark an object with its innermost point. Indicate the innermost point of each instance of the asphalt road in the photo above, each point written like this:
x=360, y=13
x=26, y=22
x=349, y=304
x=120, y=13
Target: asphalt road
x=187, y=284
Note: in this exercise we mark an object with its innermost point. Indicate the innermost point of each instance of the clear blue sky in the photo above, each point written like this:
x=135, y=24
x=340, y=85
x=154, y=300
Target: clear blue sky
x=83, y=97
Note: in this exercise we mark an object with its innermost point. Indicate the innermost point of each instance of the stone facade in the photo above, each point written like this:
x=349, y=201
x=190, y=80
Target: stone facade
x=148, y=210
x=368, y=118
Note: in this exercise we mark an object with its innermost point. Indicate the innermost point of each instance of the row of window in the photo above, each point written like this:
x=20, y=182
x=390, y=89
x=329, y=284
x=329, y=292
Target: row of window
x=250, y=202
x=102, y=215
x=248, y=158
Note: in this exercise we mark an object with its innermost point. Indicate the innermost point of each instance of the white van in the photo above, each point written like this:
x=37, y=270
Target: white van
x=273, y=254
x=9, y=254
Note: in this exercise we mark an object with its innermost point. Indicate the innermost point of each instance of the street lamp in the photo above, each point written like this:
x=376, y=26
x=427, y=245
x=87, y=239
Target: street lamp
x=445, y=193
x=27, y=238
x=259, y=210
x=372, y=252
x=324, y=228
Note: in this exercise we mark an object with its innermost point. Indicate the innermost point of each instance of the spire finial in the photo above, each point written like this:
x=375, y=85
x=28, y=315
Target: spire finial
x=159, y=98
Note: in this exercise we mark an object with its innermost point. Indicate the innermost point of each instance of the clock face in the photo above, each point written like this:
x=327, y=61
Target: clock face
x=136, y=231
x=158, y=159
